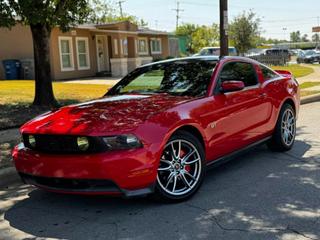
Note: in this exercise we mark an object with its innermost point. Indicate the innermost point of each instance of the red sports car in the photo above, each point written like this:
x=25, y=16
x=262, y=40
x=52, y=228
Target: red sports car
x=160, y=128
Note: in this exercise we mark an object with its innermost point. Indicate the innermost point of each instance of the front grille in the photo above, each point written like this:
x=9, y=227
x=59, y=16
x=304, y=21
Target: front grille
x=65, y=184
x=62, y=144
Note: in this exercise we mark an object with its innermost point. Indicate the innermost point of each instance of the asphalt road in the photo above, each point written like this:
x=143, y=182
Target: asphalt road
x=261, y=195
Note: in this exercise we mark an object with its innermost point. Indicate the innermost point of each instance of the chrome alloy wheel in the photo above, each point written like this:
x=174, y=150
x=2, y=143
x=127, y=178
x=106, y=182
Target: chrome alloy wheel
x=288, y=127
x=180, y=167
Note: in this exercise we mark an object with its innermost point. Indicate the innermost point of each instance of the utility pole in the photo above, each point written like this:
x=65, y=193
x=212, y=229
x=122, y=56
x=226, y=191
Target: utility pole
x=120, y=6
x=224, y=43
x=177, y=10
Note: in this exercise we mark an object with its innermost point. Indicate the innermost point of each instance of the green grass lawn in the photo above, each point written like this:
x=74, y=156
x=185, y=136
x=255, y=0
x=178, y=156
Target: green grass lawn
x=16, y=97
x=309, y=85
x=297, y=70
x=22, y=92
x=305, y=88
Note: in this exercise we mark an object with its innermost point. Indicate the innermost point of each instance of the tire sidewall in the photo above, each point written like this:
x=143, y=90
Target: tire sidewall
x=277, y=137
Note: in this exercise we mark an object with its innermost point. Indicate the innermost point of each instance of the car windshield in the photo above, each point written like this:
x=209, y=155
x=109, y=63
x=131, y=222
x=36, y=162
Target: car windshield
x=182, y=78
x=309, y=53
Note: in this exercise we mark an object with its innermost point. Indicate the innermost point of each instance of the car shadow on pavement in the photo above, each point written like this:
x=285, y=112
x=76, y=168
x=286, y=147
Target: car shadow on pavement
x=260, y=195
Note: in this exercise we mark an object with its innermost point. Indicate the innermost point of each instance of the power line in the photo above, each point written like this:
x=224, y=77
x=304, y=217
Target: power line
x=178, y=10
x=120, y=6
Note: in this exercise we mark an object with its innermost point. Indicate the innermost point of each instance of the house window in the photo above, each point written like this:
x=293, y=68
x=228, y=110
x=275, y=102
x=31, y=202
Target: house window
x=116, y=51
x=156, y=45
x=143, y=46
x=83, y=53
x=66, y=53
x=124, y=46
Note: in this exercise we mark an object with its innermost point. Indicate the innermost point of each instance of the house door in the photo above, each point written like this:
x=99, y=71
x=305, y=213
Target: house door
x=102, y=54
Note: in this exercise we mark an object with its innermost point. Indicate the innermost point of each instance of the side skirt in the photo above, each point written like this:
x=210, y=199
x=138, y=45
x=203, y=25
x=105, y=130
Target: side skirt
x=218, y=162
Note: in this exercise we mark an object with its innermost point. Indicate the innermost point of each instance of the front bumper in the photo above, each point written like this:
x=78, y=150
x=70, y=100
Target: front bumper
x=83, y=186
x=129, y=173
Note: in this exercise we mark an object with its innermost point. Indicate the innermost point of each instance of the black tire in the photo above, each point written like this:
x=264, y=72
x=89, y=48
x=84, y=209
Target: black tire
x=278, y=141
x=186, y=138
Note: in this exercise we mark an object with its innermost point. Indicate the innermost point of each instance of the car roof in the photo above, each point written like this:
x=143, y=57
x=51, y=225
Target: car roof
x=204, y=58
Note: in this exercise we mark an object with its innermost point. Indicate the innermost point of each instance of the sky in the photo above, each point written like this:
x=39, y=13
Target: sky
x=278, y=17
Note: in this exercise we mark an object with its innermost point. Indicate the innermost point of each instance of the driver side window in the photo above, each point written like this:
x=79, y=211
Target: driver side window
x=239, y=71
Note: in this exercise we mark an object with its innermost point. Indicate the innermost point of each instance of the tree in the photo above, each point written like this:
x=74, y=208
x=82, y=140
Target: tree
x=199, y=36
x=42, y=16
x=305, y=38
x=106, y=12
x=205, y=36
x=244, y=31
x=315, y=37
x=295, y=36
x=100, y=11
x=186, y=29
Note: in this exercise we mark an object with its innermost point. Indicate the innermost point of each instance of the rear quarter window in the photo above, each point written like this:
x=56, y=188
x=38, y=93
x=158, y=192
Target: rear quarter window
x=268, y=73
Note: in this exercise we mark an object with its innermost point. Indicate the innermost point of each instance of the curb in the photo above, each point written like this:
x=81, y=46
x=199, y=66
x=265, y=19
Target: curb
x=10, y=127
x=8, y=175
x=310, y=99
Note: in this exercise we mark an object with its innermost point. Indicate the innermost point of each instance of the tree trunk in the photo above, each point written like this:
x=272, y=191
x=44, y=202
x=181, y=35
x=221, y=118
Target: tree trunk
x=41, y=46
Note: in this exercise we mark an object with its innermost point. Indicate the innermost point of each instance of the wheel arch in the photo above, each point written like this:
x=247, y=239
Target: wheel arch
x=194, y=131
x=291, y=103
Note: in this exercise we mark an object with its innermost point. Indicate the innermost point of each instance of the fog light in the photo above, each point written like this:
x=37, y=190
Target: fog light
x=32, y=141
x=83, y=143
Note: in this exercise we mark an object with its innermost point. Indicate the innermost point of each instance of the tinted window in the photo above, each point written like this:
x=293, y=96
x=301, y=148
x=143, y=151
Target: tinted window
x=268, y=73
x=183, y=78
x=240, y=72
x=309, y=53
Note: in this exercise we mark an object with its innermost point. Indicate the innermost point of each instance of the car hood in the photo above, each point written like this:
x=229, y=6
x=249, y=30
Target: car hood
x=108, y=115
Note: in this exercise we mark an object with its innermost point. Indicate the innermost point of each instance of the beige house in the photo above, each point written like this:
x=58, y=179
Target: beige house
x=89, y=50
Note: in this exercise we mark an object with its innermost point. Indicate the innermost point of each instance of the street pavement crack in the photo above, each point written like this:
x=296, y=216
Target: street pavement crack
x=224, y=228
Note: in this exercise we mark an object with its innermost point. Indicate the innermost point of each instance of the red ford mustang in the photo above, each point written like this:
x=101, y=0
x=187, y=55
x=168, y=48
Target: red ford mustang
x=160, y=128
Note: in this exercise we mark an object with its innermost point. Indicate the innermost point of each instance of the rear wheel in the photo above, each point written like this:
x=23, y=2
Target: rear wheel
x=181, y=169
x=285, y=131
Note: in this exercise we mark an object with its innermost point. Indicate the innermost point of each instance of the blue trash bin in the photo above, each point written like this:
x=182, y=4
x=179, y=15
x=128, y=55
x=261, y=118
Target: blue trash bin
x=12, y=69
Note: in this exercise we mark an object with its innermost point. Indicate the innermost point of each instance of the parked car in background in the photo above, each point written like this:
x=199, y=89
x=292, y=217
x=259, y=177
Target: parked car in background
x=160, y=128
x=294, y=52
x=309, y=56
x=272, y=56
x=278, y=52
x=215, y=51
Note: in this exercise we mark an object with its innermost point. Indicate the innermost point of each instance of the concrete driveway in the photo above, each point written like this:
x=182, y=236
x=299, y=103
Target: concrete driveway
x=261, y=195
x=313, y=77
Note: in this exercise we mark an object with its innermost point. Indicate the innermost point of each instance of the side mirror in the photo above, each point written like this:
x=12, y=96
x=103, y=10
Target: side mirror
x=231, y=86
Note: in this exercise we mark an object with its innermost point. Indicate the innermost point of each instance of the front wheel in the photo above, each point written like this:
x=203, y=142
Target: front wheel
x=181, y=169
x=285, y=131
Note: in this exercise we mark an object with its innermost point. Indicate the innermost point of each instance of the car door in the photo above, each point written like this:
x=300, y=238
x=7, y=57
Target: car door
x=237, y=117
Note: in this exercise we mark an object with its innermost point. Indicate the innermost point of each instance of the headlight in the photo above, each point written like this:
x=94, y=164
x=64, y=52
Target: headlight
x=83, y=143
x=122, y=142
x=32, y=141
